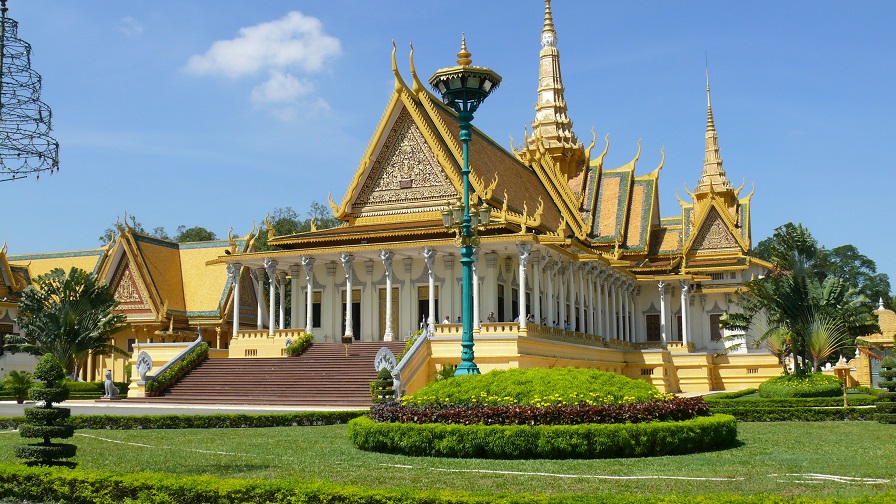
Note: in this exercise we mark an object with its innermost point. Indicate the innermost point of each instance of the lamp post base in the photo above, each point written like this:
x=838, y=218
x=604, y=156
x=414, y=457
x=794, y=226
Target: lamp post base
x=467, y=368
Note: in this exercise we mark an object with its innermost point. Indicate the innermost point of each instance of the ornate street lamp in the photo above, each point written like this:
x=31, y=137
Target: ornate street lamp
x=26, y=146
x=463, y=88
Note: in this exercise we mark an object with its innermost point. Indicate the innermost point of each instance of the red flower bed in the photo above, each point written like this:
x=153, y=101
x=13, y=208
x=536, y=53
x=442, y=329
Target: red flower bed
x=676, y=409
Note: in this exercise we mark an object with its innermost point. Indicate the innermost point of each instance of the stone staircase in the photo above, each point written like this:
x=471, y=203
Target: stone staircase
x=322, y=376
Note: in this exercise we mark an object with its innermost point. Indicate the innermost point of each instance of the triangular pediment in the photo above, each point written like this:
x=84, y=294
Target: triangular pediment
x=130, y=290
x=714, y=236
x=405, y=174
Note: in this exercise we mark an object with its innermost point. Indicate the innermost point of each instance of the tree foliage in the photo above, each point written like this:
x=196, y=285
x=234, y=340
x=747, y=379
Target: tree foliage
x=810, y=313
x=182, y=235
x=69, y=316
x=193, y=234
x=285, y=221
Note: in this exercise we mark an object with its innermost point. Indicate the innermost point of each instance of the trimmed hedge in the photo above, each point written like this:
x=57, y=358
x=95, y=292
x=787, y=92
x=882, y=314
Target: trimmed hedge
x=223, y=421
x=81, y=487
x=796, y=402
x=536, y=386
x=811, y=385
x=729, y=395
x=162, y=382
x=749, y=413
x=545, y=442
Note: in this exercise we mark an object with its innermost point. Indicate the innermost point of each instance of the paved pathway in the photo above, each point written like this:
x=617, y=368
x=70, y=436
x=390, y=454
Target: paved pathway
x=11, y=409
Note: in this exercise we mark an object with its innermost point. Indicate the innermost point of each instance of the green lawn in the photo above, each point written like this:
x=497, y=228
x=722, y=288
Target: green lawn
x=785, y=458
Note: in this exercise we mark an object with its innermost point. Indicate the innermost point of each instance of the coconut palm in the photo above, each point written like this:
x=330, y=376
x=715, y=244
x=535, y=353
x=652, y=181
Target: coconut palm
x=70, y=316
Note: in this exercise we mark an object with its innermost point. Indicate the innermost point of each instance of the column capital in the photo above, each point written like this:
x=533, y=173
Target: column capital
x=524, y=250
x=685, y=288
x=233, y=271
x=270, y=266
x=347, y=261
x=294, y=270
x=429, y=255
x=662, y=286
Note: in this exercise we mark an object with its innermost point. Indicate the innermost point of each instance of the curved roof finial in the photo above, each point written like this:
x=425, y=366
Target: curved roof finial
x=416, y=86
x=399, y=82
x=463, y=57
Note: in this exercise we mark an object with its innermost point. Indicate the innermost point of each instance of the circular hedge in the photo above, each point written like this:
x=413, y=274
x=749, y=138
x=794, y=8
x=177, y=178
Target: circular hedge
x=546, y=442
x=536, y=386
x=810, y=385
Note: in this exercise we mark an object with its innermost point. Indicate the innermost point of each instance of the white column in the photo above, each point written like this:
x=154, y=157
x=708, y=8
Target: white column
x=571, y=295
x=599, y=276
x=614, y=310
x=259, y=294
x=296, y=291
x=270, y=266
x=387, y=256
x=662, y=287
x=550, y=266
x=582, y=326
x=590, y=277
x=685, y=317
x=524, y=250
x=561, y=297
x=608, y=317
x=347, y=261
x=477, y=318
x=308, y=265
x=536, y=289
x=429, y=255
x=630, y=312
x=282, y=287
x=233, y=271
x=620, y=316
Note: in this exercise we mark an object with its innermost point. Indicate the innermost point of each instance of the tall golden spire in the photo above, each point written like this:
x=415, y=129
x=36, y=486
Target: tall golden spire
x=713, y=177
x=552, y=126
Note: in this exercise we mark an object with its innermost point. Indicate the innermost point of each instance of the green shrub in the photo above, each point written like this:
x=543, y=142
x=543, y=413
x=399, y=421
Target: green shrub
x=796, y=402
x=47, y=422
x=886, y=409
x=165, y=380
x=223, y=421
x=17, y=384
x=748, y=413
x=299, y=345
x=810, y=385
x=383, y=388
x=544, y=442
x=536, y=386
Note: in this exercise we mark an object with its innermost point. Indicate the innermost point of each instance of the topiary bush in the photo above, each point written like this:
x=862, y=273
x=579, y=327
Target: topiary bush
x=46, y=422
x=886, y=409
x=801, y=385
x=538, y=387
x=383, y=388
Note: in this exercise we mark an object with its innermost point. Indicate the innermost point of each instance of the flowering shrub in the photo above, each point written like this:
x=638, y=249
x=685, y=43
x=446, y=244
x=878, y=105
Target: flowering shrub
x=537, y=387
x=299, y=345
x=676, y=409
x=810, y=385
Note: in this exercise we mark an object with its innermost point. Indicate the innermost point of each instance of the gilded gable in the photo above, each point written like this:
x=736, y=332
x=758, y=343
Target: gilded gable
x=714, y=236
x=405, y=174
x=129, y=290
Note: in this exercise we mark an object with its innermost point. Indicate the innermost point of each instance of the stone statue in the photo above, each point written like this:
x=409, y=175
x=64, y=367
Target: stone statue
x=111, y=389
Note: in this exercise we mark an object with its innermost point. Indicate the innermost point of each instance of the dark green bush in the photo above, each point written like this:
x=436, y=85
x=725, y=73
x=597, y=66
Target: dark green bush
x=164, y=381
x=49, y=422
x=383, y=388
x=536, y=386
x=796, y=402
x=886, y=409
x=751, y=414
x=810, y=385
x=544, y=442
x=223, y=421
x=729, y=395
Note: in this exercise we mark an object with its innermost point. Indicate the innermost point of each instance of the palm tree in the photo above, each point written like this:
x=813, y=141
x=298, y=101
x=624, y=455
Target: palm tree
x=69, y=316
x=812, y=313
x=18, y=383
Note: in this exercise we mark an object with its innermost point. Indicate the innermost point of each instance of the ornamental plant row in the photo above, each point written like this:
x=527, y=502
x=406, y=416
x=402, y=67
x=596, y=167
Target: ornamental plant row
x=165, y=380
x=468, y=414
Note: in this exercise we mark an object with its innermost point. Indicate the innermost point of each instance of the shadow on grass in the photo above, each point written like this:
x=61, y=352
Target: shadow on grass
x=51, y=463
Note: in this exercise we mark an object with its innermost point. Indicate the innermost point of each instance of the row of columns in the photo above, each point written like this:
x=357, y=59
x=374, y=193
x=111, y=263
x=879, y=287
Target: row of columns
x=605, y=303
x=685, y=311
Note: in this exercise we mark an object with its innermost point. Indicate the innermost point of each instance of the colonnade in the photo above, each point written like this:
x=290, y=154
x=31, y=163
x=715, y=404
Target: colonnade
x=588, y=297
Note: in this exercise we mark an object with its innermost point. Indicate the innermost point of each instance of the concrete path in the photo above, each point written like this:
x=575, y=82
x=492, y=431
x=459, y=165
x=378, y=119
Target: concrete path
x=11, y=409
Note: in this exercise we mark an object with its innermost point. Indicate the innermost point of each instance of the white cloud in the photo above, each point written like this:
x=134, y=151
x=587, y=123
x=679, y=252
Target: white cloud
x=130, y=27
x=293, y=45
x=294, y=42
x=281, y=87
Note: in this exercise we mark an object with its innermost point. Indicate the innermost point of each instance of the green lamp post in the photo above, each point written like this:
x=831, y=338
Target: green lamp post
x=463, y=88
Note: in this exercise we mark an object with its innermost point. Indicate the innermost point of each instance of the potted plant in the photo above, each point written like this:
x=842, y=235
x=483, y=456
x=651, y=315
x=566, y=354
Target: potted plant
x=18, y=383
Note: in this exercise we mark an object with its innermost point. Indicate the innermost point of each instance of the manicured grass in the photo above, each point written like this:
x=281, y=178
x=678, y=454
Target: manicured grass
x=774, y=458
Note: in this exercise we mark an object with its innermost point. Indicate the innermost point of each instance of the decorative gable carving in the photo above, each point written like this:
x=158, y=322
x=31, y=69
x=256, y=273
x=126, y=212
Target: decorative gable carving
x=714, y=236
x=129, y=290
x=405, y=174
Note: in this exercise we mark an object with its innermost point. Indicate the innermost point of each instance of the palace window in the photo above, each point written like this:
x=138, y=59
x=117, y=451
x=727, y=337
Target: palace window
x=315, y=309
x=717, y=276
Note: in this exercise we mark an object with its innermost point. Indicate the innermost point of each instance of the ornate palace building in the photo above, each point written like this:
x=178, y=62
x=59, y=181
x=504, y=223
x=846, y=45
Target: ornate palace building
x=575, y=265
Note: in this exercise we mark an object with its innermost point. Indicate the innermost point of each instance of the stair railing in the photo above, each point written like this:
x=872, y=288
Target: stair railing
x=403, y=367
x=175, y=360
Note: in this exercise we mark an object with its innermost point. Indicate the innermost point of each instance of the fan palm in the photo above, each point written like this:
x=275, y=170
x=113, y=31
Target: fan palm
x=69, y=316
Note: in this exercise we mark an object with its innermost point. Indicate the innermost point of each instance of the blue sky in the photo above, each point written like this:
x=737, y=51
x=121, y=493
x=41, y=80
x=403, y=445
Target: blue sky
x=214, y=113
